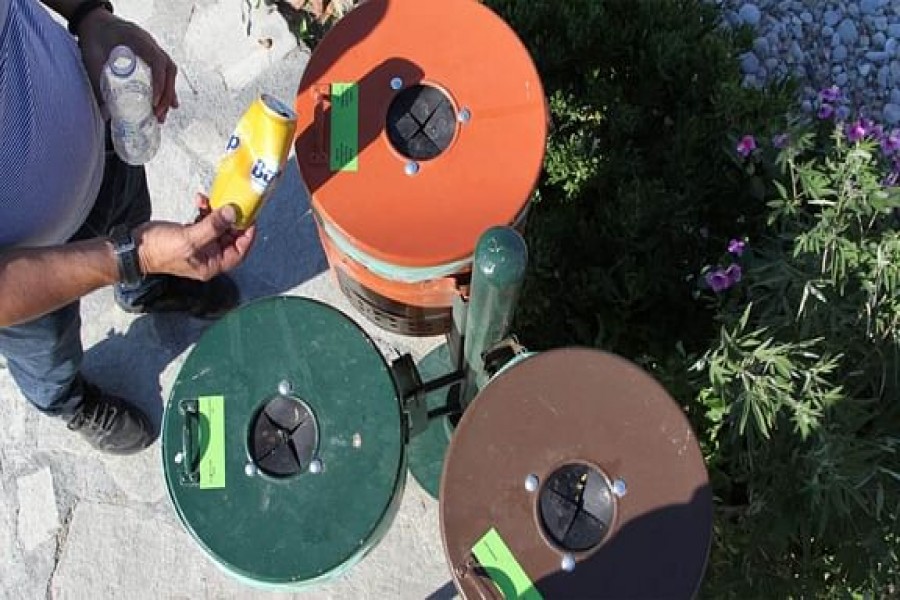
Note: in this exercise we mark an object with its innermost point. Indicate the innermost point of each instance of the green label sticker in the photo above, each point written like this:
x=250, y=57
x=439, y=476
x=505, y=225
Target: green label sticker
x=212, y=442
x=344, y=127
x=504, y=570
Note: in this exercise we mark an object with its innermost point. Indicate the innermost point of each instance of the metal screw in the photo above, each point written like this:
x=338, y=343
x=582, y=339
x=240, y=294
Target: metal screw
x=531, y=483
x=464, y=116
x=285, y=387
x=412, y=168
x=619, y=488
x=315, y=466
x=179, y=458
x=396, y=83
x=568, y=563
x=249, y=469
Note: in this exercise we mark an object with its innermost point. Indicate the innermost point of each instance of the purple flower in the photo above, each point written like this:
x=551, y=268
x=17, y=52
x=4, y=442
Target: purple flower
x=831, y=95
x=856, y=131
x=780, y=141
x=736, y=247
x=890, y=143
x=734, y=273
x=891, y=179
x=746, y=146
x=826, y=111
x=718, y=281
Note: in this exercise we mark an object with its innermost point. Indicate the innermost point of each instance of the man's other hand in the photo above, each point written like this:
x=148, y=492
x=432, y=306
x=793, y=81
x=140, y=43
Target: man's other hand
x=101, y=31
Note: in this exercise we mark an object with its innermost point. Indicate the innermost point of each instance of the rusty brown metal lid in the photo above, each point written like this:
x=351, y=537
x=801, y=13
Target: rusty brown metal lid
x=578, y=459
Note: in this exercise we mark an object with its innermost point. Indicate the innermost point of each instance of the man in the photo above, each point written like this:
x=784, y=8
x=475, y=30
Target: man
x=74, y=218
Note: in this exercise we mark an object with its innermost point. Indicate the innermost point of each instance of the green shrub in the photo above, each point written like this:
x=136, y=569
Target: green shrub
x=802, y=389
x=795, y=393
x=636, y=187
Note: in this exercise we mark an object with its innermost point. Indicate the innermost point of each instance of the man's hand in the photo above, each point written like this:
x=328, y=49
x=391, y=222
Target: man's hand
x=101, y=31
x=199, y=251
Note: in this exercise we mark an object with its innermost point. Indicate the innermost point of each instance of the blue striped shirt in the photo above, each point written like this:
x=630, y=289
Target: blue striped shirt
x=51, y=131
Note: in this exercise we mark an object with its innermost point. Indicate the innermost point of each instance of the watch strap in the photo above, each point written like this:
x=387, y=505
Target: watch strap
x=126, y=253
x=84, y=9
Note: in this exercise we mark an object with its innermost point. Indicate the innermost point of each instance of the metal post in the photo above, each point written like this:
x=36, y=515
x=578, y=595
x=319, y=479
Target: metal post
x=498, y=271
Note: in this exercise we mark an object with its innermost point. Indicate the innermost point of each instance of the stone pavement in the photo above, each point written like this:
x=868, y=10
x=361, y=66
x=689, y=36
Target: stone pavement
x=77, y=524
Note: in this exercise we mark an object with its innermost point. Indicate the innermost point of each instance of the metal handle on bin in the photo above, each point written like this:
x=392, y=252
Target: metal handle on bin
x=486, y=589
x=190, y=410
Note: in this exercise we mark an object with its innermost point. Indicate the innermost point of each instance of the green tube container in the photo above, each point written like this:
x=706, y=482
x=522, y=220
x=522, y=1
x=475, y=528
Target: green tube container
x=498, y=270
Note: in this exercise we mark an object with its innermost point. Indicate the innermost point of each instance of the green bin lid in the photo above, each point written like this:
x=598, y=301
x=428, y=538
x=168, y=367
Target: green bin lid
x=283, y=444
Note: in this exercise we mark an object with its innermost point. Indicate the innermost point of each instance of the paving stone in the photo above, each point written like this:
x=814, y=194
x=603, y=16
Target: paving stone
x=38, y=519
x=237, y=43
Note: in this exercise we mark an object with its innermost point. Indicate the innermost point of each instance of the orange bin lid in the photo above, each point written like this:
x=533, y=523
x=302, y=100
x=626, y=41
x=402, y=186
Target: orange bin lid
x=486, y=174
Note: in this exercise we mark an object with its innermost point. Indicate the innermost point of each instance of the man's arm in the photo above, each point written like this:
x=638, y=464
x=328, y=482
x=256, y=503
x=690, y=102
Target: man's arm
x=36, y=281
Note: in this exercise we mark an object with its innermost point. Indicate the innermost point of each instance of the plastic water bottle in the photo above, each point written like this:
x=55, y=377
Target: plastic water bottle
x=127, y=89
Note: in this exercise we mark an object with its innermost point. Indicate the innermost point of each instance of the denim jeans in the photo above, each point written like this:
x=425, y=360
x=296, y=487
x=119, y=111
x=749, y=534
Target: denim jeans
x=44, y=355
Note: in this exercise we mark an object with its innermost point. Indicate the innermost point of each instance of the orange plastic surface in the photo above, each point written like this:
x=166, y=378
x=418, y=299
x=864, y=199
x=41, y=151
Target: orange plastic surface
x=487, y=174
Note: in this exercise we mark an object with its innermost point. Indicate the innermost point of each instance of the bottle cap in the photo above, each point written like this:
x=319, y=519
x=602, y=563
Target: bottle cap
x=122, y=61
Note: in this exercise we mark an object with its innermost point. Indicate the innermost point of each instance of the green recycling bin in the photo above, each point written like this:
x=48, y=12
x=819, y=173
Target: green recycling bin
x=283, y=443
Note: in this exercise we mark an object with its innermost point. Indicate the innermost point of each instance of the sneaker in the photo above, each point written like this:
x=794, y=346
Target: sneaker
x=202, y=299
x=109, y=423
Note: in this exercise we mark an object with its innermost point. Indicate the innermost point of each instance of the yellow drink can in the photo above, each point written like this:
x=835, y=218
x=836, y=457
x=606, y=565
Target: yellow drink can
x=254, y=159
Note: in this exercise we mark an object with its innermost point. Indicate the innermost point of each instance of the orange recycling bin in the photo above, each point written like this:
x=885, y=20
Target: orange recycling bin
x=421, y=124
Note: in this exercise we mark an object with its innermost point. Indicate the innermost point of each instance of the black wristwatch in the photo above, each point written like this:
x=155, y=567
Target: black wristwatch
x=84, y=9
x=126, y=255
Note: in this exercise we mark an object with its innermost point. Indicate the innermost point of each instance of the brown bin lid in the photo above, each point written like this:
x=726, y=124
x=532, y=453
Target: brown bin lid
x=484, y=177
x=568, y=412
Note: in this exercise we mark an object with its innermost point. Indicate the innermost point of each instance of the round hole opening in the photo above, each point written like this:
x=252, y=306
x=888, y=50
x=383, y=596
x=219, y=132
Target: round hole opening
x=421, y=122
x=576, y=507
x=283, y=437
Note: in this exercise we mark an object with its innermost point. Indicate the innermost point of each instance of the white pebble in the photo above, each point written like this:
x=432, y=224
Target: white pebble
x=894, y=30
x=848, y=32
x=891, y=113
x=839, y=54
x=869, y=6
x=879, y=40
x=750, y=15
x=832, y=17
x=749, y=63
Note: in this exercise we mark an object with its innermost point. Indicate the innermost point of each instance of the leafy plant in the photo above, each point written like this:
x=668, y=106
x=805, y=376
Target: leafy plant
x=636, y=189
x=802, y=389
x=789, y=371
x=311, y=19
